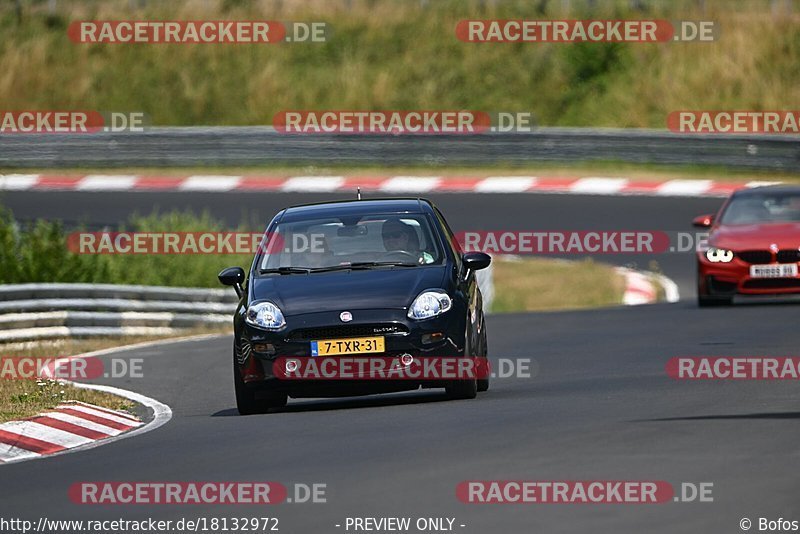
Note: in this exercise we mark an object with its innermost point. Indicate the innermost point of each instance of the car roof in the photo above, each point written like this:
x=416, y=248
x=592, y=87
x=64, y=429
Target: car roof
x=768, y=189
x=345, y=208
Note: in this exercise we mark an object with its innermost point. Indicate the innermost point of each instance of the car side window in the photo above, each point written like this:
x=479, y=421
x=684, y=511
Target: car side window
x=451, y=239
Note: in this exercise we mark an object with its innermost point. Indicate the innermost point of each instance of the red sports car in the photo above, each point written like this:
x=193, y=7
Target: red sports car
x=753, y=246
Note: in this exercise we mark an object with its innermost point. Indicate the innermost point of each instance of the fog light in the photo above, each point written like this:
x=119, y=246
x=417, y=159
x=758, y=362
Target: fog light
x=291, y=366
x=406, y=359
x=265, y=348
x=427, y=339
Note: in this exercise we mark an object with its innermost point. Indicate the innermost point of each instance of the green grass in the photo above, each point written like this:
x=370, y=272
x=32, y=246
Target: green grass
x=39, y=253
x=548, y=285
x=401, y=54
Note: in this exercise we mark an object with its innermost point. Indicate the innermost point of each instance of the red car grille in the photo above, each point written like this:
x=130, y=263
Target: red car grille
x=788, y=256
x=755, y=256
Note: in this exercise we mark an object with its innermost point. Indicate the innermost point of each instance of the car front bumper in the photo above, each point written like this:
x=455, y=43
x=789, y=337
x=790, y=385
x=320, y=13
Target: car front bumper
x=727, y=279
x=259, y=351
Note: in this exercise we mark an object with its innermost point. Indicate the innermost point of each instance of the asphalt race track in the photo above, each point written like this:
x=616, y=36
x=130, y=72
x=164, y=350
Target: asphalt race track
x=600, y=405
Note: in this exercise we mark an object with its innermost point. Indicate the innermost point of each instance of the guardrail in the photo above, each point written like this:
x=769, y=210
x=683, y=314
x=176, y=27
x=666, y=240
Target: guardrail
x=48, y=311
x=262, y=145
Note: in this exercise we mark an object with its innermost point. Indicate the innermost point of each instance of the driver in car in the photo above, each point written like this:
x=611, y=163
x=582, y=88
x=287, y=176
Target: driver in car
x=401, y=237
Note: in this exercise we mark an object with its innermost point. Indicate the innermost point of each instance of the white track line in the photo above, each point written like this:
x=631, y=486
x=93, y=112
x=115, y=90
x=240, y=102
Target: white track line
x=18, y=182
x=598, y=186
x=505, y=184
x=410, y=184
x=210, y=183
x=313, y=184
x=685, y=187
x=106, y=182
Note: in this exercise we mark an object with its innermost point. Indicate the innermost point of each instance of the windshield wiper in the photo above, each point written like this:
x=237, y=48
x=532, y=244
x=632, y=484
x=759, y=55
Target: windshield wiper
x=287, y=270
x=368, y=264
x=345, y=267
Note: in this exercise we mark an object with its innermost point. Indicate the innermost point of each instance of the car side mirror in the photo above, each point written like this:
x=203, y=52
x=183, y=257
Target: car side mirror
x=233, y=276
x=475, y=261
x=703, y=221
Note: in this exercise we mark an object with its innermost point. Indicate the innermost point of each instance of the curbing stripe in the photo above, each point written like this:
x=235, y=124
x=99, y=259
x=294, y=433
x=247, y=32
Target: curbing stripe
x=44, y=433
x=11, y=453
x=110, y=415
x=121, y=415
x=592, y=185
x=70, y=427
x=84, y=423
x=19, y=442
x=98, y=419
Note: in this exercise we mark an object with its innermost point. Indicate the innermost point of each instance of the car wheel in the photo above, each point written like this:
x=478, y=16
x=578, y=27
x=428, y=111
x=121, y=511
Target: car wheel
x=706, y=300
x=246, y=401
x=483, y=383
x=462, y=389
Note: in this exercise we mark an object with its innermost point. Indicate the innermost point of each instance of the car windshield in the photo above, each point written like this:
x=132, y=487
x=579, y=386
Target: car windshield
x=763, y=208
x=366, y=242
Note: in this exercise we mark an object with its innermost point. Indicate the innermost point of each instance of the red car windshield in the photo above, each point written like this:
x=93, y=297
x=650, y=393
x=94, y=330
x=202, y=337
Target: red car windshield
x=763, y=208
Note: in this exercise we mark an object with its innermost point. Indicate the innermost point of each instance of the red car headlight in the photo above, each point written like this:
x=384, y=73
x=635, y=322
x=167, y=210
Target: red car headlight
x=719, y=255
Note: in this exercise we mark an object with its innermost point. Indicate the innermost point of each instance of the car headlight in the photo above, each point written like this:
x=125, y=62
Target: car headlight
x=429, y=304
x=265, y=315
x=719, y=255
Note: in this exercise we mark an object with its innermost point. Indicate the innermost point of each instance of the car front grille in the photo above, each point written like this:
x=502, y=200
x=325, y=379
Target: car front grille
x=788, y=256
x=354, y=330
x=755, y=256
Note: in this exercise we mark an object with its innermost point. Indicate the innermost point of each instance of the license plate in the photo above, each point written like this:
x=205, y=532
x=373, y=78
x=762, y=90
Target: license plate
x=784, y=270
x=359, y=345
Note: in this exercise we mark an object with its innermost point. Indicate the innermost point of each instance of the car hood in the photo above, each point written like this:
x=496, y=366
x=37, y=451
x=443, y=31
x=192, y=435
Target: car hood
x=296, y=294
x=756, y=236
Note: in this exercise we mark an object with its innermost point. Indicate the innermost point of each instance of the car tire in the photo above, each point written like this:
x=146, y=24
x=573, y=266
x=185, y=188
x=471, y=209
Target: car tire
x=706, y=300
x=246, y=401
x=483, y=383
x=462, y=389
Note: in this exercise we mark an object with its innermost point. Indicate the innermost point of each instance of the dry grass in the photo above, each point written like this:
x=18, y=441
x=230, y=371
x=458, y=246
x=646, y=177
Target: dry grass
x=547, y=285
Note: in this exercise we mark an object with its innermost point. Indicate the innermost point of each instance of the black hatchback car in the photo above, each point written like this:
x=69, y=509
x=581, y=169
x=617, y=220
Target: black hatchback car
x=381, y=279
